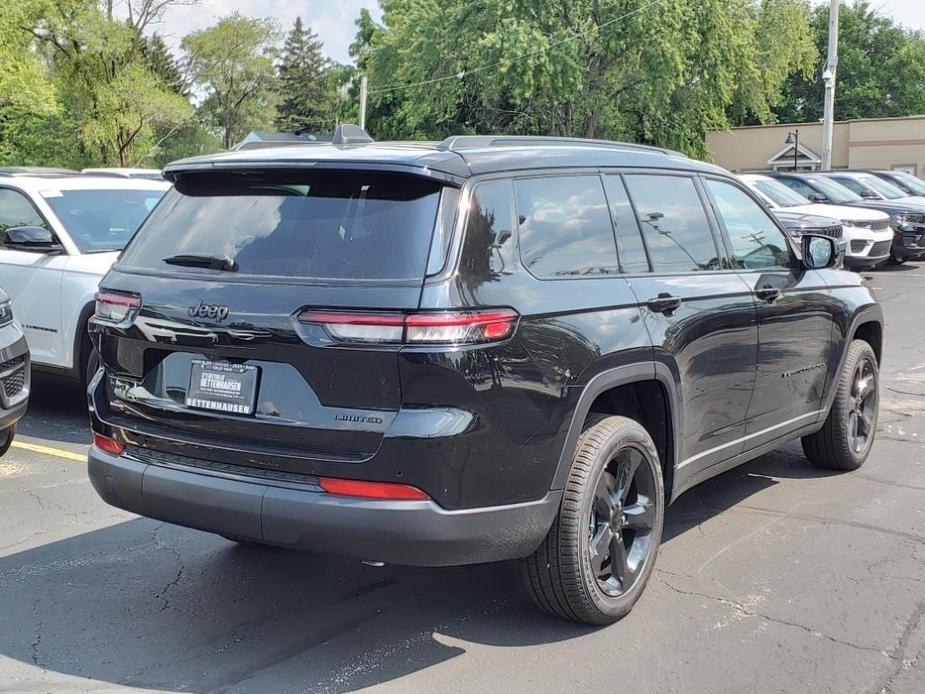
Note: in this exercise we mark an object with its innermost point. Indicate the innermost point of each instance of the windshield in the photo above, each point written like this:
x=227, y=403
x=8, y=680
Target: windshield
x=833, y=191
x=305, y=225
x=887, y=190
x=101, y=220
x=913, y=183
x=779, y=193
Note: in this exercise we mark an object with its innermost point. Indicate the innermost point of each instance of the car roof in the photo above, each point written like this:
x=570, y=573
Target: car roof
x=458, y=157
x=36, y=184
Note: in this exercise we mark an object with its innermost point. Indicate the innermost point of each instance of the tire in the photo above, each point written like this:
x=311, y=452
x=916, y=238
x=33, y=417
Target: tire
x=562, y=577
x=6, y=439
x=840, y=445
x=897, y=260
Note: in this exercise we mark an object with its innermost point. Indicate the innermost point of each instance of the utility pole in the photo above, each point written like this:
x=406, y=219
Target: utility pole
x=363, y=90
x=828, y=77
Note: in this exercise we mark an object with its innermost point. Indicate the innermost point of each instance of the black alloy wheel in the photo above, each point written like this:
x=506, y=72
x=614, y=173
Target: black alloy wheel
x=602, y=546
x=845, y=440
x=622, y=520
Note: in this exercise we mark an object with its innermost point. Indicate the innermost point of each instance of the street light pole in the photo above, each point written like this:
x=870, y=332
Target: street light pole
x=793, y=138
x=828, y=77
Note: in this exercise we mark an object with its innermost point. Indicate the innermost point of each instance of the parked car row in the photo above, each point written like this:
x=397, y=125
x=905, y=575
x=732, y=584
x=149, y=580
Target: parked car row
x=881, y=220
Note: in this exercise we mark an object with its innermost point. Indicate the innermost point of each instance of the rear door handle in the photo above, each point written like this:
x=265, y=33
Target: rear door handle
x=664, y=303
x=769, y=294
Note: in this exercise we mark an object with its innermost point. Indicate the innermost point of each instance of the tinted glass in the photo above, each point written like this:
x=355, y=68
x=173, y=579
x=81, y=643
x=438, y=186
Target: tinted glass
x=565, y=227
x=913, y=183
x=833, y=191
x=886, y=189
x=756, y=241
x=779, y=193
x=799, y=187
x=851, y=184
x=301, y=225
x=102, y=220
x=630, y=250
x=489, y=233
x=674, y=223
x=16, y=211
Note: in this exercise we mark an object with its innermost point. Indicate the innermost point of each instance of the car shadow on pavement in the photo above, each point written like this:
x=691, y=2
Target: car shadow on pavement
x=148, y=605
x=57, y=411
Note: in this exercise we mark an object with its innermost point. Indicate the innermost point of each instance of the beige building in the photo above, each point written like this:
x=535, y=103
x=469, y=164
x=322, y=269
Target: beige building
x=875, y=143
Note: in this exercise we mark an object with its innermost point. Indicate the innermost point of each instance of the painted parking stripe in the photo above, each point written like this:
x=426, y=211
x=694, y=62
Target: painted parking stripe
x=48, y=450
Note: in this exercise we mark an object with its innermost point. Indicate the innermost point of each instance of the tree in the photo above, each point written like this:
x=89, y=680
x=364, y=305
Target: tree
x=307, y=95
x=661, y=72
x=881, y=69
x=232, y=62
x=162, y=63
x=101, y=75
x=27, y=92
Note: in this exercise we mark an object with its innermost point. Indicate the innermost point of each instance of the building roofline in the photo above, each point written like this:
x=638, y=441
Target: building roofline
x=819, y=123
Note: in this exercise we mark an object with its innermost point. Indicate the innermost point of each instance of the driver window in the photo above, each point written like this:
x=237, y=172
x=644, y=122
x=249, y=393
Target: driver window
x=757, y=243
x=16, y=211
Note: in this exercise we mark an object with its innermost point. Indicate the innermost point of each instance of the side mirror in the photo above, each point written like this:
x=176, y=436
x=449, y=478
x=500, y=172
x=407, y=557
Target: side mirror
x=819, y=252
x=29, y=238
x=869, y=195
x=817, y=197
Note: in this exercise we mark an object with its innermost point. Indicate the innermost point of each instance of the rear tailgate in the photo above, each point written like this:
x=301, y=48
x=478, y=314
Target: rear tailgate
x=215, y=361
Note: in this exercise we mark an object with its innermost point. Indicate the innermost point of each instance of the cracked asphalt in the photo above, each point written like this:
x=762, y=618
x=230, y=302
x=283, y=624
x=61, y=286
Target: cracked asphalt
x=775, y=577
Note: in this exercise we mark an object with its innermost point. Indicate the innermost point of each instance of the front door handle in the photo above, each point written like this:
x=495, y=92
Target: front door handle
x=769, y=294
x=664, y=303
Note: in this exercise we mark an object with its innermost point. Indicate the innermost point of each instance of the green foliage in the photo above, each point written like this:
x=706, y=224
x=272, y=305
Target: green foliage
x=308, y=93
x=881, y=69
x=663, y=72
x=161, y=62
x=232, y=63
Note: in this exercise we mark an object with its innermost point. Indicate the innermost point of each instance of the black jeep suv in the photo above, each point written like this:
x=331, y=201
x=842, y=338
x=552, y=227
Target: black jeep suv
x=485, y=349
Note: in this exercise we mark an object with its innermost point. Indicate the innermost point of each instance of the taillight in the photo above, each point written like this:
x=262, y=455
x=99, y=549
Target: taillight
x=108, y=444
x=115, y=307
x=372, y=490
x=445, y=328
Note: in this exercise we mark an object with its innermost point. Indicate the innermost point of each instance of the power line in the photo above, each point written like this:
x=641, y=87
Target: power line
x=463, y=73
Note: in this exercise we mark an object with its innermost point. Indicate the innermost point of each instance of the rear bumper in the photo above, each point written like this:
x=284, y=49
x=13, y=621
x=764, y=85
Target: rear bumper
x=417, y=533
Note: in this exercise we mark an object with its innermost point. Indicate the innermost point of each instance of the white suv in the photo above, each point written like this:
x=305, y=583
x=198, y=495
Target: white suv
x=59, y=233
x=867, y=233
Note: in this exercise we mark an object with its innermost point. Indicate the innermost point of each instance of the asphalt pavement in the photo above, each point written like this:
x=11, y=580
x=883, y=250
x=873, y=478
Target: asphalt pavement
x=774, y=577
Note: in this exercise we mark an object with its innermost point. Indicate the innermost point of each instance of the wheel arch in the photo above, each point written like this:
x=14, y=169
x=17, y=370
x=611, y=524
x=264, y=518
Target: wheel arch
x=646, y=391
x=81, y=336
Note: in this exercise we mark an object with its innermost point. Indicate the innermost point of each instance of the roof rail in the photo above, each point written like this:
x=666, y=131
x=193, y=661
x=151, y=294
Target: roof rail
x=36, y=171
x=348, y=134
x=456, y=143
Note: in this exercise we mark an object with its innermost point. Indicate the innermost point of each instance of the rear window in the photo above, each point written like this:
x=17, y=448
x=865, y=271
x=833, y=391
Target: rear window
x=307, y=225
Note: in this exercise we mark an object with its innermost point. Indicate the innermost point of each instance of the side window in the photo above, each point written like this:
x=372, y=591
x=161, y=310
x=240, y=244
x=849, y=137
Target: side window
x=757, y=243
x=16, y=211
x=851, y=184
x=796, y=184
x=630, y=250
x=565, y=228
x=673, y=222
x=488, y=249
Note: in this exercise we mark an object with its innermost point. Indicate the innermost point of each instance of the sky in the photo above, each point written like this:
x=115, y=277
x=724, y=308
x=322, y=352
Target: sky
x=333, y=20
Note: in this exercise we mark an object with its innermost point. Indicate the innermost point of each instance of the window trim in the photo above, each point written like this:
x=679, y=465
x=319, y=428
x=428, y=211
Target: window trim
x=42, y=216
x=795, y=257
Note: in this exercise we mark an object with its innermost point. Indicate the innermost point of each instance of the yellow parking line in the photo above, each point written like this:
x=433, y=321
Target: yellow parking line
x=48, y=450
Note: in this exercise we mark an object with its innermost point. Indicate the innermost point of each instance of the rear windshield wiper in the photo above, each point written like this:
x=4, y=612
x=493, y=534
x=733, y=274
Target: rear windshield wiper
x=209, y=262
